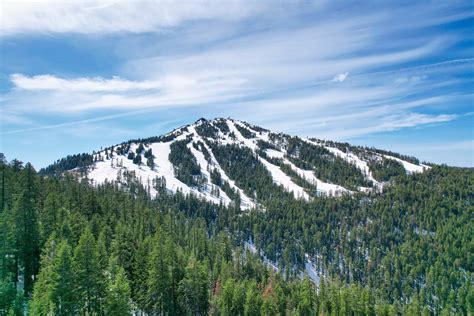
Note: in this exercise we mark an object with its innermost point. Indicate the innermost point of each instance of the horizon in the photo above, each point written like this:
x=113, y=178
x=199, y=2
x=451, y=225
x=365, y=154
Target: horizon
x=75, y=77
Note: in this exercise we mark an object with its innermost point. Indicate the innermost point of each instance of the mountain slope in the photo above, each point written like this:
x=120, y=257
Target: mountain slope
x=402, y=235
x=224, y=160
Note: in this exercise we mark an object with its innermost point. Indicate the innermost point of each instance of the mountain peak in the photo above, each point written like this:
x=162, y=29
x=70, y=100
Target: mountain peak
x=225, y=160
x=200, y=120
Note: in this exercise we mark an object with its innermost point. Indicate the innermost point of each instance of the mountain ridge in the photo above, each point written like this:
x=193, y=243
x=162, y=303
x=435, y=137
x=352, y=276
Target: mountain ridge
x=198, y=159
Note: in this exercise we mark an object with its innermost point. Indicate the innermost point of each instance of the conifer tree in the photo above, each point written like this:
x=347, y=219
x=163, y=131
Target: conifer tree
x=253, y=300
x=41, y=303
x=150, y=162
x=194, y=287
x=118, y=294
x=307, y=299
x=89, y=283
x=158, y=296
x=27, y=236
x=48, y=216
x=62, y=281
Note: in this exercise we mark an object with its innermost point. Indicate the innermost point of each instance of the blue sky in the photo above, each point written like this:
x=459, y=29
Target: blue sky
x=78, y=75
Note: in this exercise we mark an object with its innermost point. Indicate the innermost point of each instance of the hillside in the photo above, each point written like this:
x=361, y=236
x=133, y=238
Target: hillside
x=225, y=218
x=222, y=160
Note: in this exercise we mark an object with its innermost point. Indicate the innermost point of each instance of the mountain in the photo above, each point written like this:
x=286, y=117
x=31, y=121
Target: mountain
x=221, y=216
x=224, y=160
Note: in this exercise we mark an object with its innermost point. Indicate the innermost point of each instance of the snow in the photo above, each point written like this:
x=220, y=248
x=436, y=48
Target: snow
x=313, y=274
x=108, y=169
x=251, y=247
x=245, y=201
x=323, y=187
x=163, y=168
x=409, y=167
x=283, y=179
x=327, y=188
x=278, y=176
x=247, y=142
x=272, y=153
x=308, y=175
x=350, y=158
x=202, y=162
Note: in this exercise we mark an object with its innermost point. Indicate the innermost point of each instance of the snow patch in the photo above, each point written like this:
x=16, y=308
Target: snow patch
x=281, y=178
x=323, y=187
x=409, y=167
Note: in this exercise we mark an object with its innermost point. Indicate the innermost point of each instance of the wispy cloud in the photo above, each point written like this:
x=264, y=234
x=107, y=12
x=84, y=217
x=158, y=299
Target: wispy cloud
x=97, y=84
x=340, y=77
x=111, y=16
x=327, y=69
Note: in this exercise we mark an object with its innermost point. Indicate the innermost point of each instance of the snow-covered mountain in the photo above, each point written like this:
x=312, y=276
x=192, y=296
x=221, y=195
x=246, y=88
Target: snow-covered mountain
x=225, y=160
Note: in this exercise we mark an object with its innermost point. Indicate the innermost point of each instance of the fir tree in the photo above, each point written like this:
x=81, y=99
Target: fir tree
x=118, y=294
x=194, y=288
x=27, y=235
x=89, y=283
x=62, y=281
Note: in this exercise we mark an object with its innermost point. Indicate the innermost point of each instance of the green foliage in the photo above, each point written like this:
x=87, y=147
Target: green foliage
x=194, y=288
x=241, y=165
x=185, y=166
x=148, y=153
x=326, y=166
x=111, y=249
x=200, y=146
x=415, y=236
x=245, y=132
x=118, y=295
x=206, y=129
x=150, y=162
x=138, y=159
x=263, y=145
x=216, y=177
x=139, y=149
x=25, y=214
x=385, y=169
x=89, y=282
x=11, y=300
x=222, y=125
x=81, y=161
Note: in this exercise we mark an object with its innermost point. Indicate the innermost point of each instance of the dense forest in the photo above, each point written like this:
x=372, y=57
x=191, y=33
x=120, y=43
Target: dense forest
x=70, y=248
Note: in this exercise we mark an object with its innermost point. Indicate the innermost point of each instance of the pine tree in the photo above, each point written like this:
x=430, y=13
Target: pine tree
x=27, y=235
x=159, y=280
x=307, y=299
x=8, y=250
x=41, y=303
x=89, y=285
x=140, y=267
x=62, y=283
x=194, y=287
x=102, y=251
x=150, y=162
x=138, y=159
x=118, y=294
x=253, y=300
x=48, y=216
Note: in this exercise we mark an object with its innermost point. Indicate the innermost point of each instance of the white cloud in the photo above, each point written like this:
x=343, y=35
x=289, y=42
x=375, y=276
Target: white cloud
x=53, y=83
x=109, y=16
x=410, y=79
x=340, y=77
x=60, y=95
x=280, y=74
